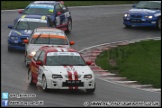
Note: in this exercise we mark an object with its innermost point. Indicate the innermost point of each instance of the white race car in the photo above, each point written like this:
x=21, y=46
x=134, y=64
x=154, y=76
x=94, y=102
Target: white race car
x=61, y=68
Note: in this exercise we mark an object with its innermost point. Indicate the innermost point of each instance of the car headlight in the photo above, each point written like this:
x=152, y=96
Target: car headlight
x=33, y=53
x=148, y=17
x=14, y=38
x=89, y=76
x=126, y=15
x=54, y=76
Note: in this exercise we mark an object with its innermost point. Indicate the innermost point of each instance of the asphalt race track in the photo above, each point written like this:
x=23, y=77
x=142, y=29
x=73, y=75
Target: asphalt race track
x=91, y=26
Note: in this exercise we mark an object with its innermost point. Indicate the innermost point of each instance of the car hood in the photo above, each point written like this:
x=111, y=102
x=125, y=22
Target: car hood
x=142, y=11
x=63, y=70
x=35, y=47
x=21, y=32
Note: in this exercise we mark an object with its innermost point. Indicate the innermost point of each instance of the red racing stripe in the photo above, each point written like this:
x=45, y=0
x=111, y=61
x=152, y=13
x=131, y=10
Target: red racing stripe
x=69, y=76
x=76, y=78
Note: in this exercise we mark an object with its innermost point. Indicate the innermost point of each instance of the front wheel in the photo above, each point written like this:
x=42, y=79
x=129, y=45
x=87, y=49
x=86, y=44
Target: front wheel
x=159, y=23
x=30, y=77
x=9, y=49
x=26, y=63
x=69, y=26
x=44, y=83
x=128, y=26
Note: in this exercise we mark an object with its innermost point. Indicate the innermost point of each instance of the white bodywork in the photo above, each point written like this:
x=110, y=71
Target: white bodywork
x=64, y=72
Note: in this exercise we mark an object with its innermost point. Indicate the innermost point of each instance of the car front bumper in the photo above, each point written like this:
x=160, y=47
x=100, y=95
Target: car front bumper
x=140, y=22
x=61, y=84
x=16, y=46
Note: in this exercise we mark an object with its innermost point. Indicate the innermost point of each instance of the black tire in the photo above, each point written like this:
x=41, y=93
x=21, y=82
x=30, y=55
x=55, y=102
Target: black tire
x=9, y=49
x=128, y=26
x=30, y=77
x=69, y=26
x=44, y=86
x=27, y=65
x=159, y=23
x=91, y=90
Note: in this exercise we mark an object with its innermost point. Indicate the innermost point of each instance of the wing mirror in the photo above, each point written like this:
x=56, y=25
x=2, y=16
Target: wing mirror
x=88, y=63
x=20, y=11
x=25, y=40
x=72, y=42
x=39, y=63
x=10, y=26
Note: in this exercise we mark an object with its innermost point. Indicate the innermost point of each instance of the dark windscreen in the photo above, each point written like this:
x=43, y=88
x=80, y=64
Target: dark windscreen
x=148, y=5
x=27, y=25
x=65, y=60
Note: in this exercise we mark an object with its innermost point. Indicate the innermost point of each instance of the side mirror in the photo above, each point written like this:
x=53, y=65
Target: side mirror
x=20, y=11
x=89, y=63
x=10, y=26
x=25, y=40
x=72, y=42
x=39, y=63
x=58, y=13
x=134, y=5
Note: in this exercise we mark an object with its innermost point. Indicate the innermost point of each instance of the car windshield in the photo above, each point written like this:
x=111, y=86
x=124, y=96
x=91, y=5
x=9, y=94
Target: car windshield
x=49, y=40
x=148, y=5
x=64, y=60
x=39, y=9
x=27, y=25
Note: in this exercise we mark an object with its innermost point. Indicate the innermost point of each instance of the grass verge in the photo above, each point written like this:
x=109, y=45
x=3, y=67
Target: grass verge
x=139, y=61
x=6, y=5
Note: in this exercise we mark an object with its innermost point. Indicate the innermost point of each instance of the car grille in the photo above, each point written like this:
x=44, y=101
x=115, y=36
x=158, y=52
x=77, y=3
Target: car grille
x=18, y=44
x=66, y=84
x=135, y=21
x=136, y=16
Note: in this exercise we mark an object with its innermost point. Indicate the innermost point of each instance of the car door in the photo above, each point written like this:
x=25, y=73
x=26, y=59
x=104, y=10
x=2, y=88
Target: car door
x=39, y=68
x=34, y=67
x=59, y=18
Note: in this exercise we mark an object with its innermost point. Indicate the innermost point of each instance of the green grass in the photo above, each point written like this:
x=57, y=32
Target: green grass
x=139, y=61
x=6, y=5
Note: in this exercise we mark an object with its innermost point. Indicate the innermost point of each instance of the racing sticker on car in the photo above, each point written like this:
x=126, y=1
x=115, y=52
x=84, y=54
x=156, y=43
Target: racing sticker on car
x=17, y=32
x=62, y=53
x=72, y=75
x=27, y=31
x=58, y=20
x=50, y=10
x=67, y=14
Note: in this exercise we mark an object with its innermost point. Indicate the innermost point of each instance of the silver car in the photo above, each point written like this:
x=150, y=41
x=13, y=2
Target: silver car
x=44, y=36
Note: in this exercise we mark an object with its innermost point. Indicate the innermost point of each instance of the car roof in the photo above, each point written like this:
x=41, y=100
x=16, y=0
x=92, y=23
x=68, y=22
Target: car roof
x=35, y=18
x=44, y=2
x=47, y=2
x=57, y=49
x=42, y=5
x=47, y=29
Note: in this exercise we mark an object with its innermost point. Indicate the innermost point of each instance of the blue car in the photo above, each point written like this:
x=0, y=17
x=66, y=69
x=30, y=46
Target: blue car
x=57, y=11
x=23, y=28
x=145, y=13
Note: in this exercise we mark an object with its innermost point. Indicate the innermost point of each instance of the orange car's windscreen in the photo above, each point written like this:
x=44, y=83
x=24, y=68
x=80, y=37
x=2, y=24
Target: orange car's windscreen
x=49, y=39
